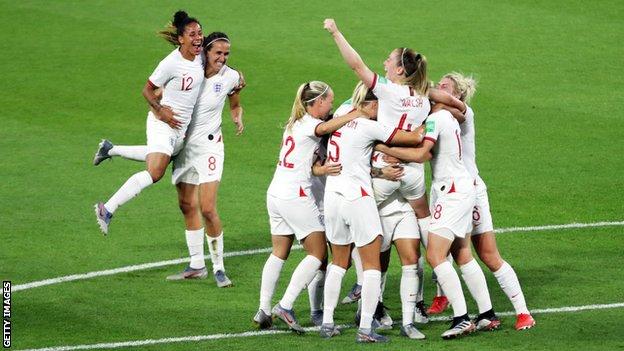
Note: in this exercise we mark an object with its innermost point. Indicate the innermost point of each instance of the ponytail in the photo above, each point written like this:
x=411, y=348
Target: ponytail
x=306, y=95
x=361, y=95
x=176, y=27
x=414, y=70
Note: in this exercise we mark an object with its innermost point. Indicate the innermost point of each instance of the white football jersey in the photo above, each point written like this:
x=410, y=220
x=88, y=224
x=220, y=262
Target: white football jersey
x=292, y=177
x=399, y=107
x=181, y=81
x=468, y=143
x=343, y=109
x=352, y=146
x=207, y=113
x=447, y=164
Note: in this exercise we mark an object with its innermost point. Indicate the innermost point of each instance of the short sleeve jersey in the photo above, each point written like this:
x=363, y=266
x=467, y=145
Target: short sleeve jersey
x=209, y=107
x=181, y=81
x=468, y=143
x=399, y=107
x=292, y=177
x=447, y=163
x=352, y=146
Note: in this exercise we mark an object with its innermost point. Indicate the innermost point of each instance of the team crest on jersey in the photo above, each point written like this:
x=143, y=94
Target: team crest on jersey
x=218, y=87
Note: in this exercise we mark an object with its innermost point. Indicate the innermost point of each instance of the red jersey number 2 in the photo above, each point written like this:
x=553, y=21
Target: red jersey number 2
x=288, y=141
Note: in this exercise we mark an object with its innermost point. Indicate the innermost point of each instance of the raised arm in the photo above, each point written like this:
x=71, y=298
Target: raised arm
x=443, y=97
x=351, y=57
x=336, y=123
x=457, y=114
x=236, y=111
x=419, y=154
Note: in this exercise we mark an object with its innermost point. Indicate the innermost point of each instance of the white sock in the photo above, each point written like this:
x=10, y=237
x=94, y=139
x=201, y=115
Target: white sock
x=420, y=274
x=333, y=282
x=270, y=275
x=439, y=291
x=423, y=225
x=215, y=246
x=371, y=289
x=135, y=153
x=449, y=281
x=357, y=263
x=131, y=188
x=195, y=243
x=315, y=291
x=382, y=285
x=301, y=277
x=508, y=281
x=409, y=283
x=475, y=281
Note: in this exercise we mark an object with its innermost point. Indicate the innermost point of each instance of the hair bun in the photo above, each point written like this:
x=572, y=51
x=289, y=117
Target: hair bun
x=179, y=17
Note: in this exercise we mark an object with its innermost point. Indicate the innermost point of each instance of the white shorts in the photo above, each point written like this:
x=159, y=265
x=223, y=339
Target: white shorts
x=411, y=186
x=402, y=225
x=197, y=167
x=481, y=216
x=161, y=138
x=451, y=214
x=298, y=216
x=349, y=222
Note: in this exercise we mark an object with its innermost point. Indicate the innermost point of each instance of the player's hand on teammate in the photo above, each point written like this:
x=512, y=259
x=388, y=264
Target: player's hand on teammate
x=392, y=172
x=332, y=169
x=330, y=25
x=390, y=159
x=166, y=114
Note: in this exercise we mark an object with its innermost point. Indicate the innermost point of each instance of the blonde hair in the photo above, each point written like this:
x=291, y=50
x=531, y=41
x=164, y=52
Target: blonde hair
x=414, y=70
x=307, y=94
x=361, y=95
x=464, y=86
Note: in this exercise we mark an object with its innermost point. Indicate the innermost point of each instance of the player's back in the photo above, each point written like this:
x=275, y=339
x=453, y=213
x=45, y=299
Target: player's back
x=447, y=163
x=352, y=147
x=468, y=143
x=293, y=173
x=399, y=105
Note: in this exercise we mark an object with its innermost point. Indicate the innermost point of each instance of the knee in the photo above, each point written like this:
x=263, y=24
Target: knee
x=156, y=172
x=187, y=207
x=209, y=212
x=492, y=260
x=409, y=258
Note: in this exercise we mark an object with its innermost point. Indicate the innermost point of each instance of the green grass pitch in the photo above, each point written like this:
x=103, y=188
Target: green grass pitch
x=550, y=147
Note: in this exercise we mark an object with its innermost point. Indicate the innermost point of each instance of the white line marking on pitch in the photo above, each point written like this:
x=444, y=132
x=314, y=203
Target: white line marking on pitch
x=139, y=267
x=114, y=345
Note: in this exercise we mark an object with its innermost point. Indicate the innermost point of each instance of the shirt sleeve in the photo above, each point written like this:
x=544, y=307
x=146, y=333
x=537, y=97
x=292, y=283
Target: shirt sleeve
x=309, y=127
x=377, y=131
x=432, y=127
x=161, y=75
x=234, y=78
x=382, y=88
